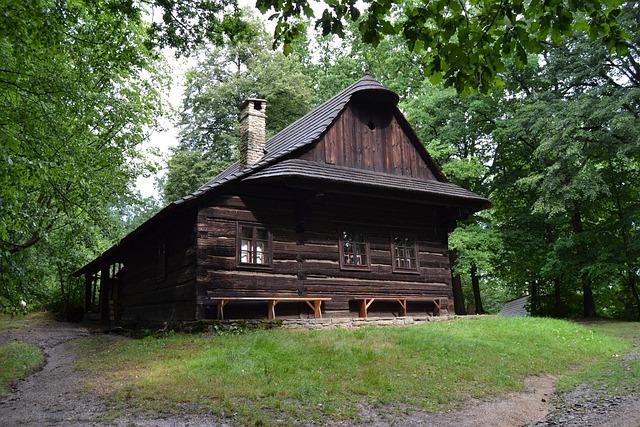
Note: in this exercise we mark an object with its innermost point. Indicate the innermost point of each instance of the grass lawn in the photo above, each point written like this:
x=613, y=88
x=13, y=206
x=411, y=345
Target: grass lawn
x=618, y=377
x=17, y=360
x=259, y=376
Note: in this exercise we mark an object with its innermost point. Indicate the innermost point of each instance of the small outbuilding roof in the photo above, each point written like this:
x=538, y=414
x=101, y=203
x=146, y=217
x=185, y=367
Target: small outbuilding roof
x=516, y=307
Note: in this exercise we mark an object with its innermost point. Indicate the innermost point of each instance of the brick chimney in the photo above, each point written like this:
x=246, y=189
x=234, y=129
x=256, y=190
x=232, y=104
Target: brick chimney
x=252, y=131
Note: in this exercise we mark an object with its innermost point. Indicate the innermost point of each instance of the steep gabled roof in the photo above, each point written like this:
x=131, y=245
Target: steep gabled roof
x=297, y=135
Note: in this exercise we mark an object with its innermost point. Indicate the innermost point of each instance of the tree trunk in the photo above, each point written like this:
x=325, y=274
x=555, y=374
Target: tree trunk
x=456, y=284
x=65, y=297
x=631, y=280
x=475, y=283
x=558, y=310
x=588, y=303
x=458, y=295
x=534, y=300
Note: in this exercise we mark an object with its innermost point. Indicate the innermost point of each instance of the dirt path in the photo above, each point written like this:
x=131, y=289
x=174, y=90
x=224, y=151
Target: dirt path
x=54, y=396
x=515, y=409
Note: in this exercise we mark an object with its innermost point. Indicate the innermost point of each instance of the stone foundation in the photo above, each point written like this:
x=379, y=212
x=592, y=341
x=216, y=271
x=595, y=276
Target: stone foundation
x=357, y=322
x=308, y=324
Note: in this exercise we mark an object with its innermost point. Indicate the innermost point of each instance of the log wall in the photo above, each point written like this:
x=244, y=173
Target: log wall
x=158, y=283
x=305, y=231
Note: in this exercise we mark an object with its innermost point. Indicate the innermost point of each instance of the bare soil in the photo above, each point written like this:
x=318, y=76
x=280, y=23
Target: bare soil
x=514, y=409
x=55, y=396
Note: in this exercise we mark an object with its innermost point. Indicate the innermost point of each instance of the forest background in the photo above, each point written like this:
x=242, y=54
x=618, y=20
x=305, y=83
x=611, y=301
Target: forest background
x=544, y=122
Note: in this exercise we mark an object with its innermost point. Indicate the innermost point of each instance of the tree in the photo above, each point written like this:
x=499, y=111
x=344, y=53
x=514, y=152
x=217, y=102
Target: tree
x=568, y=144
x=457, y=131
x=465, y=43
x=215, y=89
x=78, y=92
x=468, y=44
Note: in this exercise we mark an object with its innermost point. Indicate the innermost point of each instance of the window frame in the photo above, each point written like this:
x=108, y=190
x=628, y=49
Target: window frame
x=269, y=251
x=343, y=266
x=392, y=248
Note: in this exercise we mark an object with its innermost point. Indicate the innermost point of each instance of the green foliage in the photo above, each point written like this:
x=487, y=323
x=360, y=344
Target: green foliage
x=253, y=374
x=566, y=175
x=215, y=89
x=78, y=92
x=467, y=45
x=18, y=359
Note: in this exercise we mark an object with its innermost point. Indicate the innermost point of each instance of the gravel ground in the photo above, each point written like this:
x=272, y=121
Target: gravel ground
x=54, y=396
x=587, y=407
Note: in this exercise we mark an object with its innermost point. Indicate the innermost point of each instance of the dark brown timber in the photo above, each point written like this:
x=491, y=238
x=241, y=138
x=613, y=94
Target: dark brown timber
x=309, y=227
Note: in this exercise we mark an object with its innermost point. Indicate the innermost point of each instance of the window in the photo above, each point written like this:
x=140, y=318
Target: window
x=354, y=250
x=404, y=251
x=254, y=245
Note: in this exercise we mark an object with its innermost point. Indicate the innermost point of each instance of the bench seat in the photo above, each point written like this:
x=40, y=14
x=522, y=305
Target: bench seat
x=313, y=302
x=441, y=303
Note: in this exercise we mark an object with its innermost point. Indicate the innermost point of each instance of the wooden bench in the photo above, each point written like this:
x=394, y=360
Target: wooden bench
x=365, y=303
x=313, y=302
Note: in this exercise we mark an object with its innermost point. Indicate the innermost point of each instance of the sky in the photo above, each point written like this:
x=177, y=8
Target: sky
x=165, y=135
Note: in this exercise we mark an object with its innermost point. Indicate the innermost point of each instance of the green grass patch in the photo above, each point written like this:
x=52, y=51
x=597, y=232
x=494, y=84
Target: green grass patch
x=613, y=376
x=15, y=323
x=17, y=360
x=291, y=375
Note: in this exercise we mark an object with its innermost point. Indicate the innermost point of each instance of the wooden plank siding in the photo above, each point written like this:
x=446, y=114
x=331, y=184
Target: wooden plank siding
x=354, y=164
x=152, y=289
x=386, y=148
x=306, y=251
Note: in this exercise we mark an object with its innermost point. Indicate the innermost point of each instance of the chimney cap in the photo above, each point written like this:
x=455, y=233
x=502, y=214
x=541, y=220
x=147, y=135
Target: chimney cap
x=248, y=100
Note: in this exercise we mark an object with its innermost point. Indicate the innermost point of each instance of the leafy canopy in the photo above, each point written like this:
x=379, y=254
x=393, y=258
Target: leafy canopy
x=79, y=91
x=466, y=43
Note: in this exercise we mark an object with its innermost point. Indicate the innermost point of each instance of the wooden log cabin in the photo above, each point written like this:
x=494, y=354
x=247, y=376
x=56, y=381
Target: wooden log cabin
x=342, y=213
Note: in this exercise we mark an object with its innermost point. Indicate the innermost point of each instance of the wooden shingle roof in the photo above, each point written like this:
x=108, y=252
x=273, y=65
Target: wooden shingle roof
x=298, y=168
x=304, y=131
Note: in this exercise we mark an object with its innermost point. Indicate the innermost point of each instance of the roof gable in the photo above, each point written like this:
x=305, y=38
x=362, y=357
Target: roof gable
x=371, y=133
x=298, y=134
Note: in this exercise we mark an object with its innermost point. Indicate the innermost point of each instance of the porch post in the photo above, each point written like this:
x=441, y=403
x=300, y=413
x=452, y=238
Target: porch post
x=87, y=292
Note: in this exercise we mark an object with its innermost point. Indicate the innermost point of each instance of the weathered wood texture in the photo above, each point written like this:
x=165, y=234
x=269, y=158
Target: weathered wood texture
x=372, y=139
x=306, y=250
x=158, y=279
